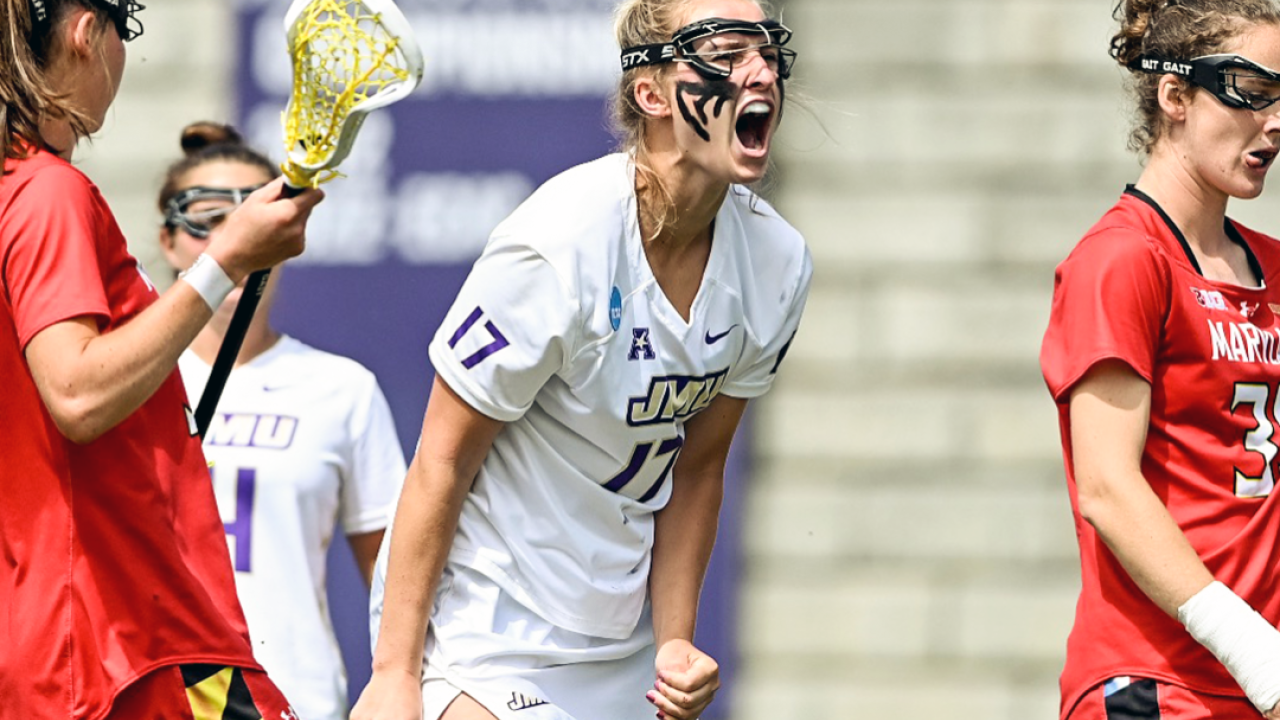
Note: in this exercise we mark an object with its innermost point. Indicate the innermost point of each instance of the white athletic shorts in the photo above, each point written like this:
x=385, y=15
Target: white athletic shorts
x=483, y=642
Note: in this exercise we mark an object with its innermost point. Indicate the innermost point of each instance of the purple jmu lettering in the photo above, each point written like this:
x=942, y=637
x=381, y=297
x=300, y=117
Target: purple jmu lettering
x=250, y=430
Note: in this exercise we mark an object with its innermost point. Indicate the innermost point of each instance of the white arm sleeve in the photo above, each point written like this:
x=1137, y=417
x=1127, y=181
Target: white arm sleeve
x=1240, y=638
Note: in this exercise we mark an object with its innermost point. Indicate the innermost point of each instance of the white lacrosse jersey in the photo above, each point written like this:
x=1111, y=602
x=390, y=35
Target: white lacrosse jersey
x=302, y=438
x=562, y=332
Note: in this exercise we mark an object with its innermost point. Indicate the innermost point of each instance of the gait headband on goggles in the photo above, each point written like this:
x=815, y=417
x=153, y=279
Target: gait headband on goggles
x=1236, y=81
x=123, y=14
x=200, y=224
x=713, y=46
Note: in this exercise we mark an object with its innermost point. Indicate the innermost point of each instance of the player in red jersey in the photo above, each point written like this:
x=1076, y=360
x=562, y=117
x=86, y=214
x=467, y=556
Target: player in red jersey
x=116, y=585
x=1163, y=354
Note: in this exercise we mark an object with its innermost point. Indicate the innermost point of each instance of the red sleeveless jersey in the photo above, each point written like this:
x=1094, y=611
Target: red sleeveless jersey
x=1211, y=352
x=114, y=558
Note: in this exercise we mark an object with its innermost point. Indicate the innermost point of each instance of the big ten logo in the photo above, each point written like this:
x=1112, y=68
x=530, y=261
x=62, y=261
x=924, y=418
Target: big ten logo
x=1209, y=299
x=247, y=430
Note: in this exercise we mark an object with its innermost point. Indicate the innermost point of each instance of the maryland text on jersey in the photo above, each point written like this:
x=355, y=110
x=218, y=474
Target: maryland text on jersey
x=1244, y=342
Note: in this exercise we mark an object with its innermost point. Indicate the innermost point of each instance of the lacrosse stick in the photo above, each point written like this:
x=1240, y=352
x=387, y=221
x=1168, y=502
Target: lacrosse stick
x=350, y=57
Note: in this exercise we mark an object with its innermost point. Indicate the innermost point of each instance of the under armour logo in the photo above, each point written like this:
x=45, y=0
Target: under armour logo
x=524, y=702
x=641, y=348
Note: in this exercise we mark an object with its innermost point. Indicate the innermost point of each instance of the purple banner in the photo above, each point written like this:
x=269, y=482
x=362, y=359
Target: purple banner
x=514, y=92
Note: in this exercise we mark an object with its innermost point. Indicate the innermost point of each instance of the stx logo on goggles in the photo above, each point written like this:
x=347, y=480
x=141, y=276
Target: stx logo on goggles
x=639, y=57
x=642, y=55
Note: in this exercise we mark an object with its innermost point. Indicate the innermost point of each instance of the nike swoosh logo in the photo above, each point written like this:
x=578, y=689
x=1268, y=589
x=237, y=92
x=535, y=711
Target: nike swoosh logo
x=713, y=339
x=274, y=388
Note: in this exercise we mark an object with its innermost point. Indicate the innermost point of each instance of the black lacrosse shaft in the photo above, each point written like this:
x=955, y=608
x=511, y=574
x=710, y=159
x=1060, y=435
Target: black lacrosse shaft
x=226, y=360
x=231, y=343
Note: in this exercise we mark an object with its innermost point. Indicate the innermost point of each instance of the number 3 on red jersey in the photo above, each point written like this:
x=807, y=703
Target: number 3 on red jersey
x=1260, y=439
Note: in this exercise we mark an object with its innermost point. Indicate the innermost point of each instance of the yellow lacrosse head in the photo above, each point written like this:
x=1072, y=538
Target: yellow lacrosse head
x=349, y=57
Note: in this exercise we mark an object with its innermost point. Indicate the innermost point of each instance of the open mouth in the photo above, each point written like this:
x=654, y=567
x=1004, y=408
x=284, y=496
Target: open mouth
x=1261, y=158
x=754, y=124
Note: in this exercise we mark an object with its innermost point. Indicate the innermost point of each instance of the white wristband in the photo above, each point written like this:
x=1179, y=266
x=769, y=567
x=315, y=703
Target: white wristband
x=208, y=279
x=1240, y=638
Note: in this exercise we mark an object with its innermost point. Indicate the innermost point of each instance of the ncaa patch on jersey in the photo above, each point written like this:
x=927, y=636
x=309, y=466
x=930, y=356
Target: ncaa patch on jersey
x=615, y=308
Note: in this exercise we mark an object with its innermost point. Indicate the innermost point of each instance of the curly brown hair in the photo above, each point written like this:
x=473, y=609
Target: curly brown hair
x=1178, y=30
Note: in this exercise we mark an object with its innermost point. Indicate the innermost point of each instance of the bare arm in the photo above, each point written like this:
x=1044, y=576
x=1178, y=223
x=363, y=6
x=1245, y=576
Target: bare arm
x=364, y=546
x=91, y=381
x=684, y=535
x=1110, y=412
x=455, y=439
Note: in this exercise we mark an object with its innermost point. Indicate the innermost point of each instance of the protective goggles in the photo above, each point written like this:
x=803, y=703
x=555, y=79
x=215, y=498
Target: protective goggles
x=715, y=46
x=124, y=13
x=198, y=210
x=1236, y=81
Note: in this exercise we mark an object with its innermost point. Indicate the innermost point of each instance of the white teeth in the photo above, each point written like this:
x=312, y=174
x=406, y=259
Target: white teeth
x=758, y=107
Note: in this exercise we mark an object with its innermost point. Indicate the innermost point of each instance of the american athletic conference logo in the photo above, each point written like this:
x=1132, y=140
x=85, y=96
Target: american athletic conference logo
x=641, y=346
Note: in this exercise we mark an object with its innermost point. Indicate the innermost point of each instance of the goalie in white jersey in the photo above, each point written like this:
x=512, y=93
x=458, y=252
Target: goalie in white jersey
x=302, y=438
x=555, y=526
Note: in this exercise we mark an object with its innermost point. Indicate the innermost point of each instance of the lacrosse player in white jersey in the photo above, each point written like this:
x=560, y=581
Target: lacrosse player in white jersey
x=556, y=523
x=302, y=438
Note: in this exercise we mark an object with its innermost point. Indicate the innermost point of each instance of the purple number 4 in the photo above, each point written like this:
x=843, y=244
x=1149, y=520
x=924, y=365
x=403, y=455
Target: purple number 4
x=499, y=340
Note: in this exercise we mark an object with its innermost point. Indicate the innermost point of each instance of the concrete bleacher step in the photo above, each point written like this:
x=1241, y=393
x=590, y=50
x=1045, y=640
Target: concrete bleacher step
x=909, y=541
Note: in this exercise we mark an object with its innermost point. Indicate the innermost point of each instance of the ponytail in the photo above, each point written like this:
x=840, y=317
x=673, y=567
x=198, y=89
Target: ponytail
x=28, y=40
x=206, y=142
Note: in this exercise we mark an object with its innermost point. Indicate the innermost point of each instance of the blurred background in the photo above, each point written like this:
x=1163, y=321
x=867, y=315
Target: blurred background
x=899, y=542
